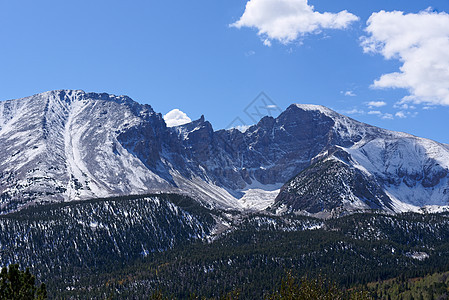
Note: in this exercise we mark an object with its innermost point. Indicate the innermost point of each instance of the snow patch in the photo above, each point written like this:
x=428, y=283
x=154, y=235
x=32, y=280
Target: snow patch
x=258, y=199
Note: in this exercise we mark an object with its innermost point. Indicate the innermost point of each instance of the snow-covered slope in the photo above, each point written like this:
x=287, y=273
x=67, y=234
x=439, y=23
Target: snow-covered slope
x=68, y=145
x=411, y=171
x=62, y=145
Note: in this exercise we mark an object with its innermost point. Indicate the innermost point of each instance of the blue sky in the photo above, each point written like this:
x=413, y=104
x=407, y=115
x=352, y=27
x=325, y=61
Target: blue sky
x=185, y=55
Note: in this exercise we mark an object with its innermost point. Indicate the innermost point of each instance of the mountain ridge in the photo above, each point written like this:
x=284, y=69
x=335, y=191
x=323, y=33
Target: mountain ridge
x=71, y=145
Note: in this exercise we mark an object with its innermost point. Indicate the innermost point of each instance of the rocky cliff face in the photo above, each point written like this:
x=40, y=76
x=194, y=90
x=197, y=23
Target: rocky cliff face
x=69, y=145
x=269, y=152
x=64, y=145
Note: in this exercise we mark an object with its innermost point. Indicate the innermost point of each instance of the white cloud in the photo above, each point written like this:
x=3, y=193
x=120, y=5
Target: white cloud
x=267, y=43
x=374, y=112
x=404, y=106
x=349, y=93
x=286, y=20
x=387, y=116
x=401, y=114
x=250, y=53
x=176, y=117
x=421, y=42
x=376, y=104
x=354, y=111
x=405, y=114
x=242, y=128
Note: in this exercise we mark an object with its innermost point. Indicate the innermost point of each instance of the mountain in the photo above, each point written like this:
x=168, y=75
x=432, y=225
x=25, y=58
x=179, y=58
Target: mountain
x=382, y=170
x=332, y=185
x=71, y=145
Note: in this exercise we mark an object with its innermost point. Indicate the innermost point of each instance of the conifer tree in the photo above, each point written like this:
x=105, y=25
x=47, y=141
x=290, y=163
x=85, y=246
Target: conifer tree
x=16, y=284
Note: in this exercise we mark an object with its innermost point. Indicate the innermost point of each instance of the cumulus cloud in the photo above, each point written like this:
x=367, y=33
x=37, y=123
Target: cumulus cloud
x=374, y=112
x=401, y=114
x=348, y=93
x=404, y=106
x=176, y=117
x=421, y=42
x=242, y=128
x=372, y=104
x=267, y=43
x=353, y=111
x=286, y=20
x=385, y=116
x=405, y=114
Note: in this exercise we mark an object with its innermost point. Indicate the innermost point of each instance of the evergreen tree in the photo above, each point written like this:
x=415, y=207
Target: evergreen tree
x=319, y=288
x=16, y=284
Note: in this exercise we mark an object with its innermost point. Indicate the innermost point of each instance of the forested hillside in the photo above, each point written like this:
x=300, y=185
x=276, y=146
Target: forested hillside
x=137, y=245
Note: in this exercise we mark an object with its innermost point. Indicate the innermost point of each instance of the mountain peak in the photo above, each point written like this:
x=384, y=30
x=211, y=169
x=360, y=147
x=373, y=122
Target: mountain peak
x=103, y=145
x=316, y=107
x=71, y=95
x=62, y=94
x=323, y=110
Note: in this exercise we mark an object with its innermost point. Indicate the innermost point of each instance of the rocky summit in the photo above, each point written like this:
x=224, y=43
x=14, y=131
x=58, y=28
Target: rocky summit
x=71, y=145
